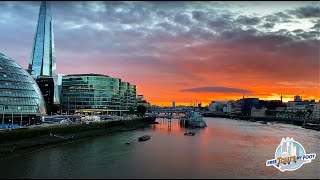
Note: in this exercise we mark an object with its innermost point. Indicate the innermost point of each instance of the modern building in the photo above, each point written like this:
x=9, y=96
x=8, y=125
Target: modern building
x=173, y=104
x=46, y=86
x=96, y=94
x=248, y=104
x=236, y=107
x=132, y=95
x=216, y=107
x=227, y=108
x=42, y=60
x=124, y=95
x=258, y=112
x=21, y=101
x=142, y=101
x=316, y=111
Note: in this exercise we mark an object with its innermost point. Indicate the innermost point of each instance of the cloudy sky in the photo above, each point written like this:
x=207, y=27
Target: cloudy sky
x=180, y=51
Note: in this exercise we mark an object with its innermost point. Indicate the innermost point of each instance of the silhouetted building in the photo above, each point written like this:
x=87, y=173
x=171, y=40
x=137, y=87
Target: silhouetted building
x=46, y=85
x=271, y=105
x=297, y=98
x=248, y=104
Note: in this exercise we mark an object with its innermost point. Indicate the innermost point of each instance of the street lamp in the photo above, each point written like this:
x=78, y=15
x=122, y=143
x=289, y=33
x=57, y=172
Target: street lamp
x=19, y=108
x=9, y=123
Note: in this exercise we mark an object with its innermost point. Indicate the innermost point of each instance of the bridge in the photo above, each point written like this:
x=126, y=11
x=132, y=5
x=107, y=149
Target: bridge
x=159, y=110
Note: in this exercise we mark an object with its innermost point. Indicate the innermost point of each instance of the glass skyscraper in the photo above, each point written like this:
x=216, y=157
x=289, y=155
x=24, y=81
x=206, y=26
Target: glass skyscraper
x=42, y=61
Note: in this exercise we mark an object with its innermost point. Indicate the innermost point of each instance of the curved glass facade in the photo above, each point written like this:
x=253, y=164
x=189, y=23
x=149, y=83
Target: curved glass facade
x=96, y=94
x=20, y=96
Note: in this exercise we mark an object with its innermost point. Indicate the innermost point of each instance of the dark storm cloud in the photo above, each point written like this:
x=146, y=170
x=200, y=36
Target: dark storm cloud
x=306, y=35
x=283, y=16
x=220, y=24
x=199, y=15
x=245, y=20
x=306, y=12
x=297, y=31
x=316, y=26
x=182, y=19
x=216, y=90
x=268, y=25
x=279, y=17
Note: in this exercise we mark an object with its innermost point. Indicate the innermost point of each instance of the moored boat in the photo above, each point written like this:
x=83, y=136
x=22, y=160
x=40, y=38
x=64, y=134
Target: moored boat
x=144, y=138
x=189, y=133
x=194, y=119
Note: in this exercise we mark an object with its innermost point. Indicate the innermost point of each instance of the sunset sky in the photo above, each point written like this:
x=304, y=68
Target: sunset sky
x=180, y=51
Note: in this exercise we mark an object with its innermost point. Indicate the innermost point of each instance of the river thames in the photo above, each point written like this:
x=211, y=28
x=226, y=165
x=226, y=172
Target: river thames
x=225, y=149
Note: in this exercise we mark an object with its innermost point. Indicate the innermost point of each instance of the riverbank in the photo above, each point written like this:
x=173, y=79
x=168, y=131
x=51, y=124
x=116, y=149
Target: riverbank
x=29, y=140
x=308, y=124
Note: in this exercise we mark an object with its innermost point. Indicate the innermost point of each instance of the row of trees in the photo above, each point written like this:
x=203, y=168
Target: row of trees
x=140, y=111
x=289, y=114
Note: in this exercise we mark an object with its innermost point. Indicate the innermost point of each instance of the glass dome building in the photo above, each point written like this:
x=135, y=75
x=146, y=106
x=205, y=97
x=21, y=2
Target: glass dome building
x=21, y=101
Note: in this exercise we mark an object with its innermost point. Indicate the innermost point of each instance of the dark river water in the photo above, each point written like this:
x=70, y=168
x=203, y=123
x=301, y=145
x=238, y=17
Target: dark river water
x=225, y=149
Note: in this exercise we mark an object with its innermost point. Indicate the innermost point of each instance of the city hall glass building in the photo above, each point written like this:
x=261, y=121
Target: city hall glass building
x=42, y=60
x=21, y=101
x=96, y=94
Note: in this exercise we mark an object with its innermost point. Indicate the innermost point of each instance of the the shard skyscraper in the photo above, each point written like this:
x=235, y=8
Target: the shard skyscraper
x=42, y=62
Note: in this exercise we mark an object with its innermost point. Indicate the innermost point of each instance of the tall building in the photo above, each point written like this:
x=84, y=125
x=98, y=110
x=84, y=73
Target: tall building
x=248, y=104
x=46, y=86
x=42, y=60
x=21, y=101
x=142, y=101
x=297, y=98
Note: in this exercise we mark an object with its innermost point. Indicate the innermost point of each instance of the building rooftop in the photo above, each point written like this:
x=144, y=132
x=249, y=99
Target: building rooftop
x=91, y=74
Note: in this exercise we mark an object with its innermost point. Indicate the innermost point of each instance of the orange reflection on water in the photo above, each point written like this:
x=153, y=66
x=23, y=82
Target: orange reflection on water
x=165, y=126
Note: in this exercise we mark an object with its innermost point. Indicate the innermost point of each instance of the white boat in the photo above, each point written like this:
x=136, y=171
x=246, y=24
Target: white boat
x=194, y=119
x=189, y=133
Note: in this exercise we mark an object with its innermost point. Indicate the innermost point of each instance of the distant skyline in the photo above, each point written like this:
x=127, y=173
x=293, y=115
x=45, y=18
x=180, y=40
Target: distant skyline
x=180, y=51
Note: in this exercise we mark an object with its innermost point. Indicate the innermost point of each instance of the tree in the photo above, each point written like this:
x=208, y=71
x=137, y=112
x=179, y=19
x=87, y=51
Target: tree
x=48, y=108
x=268, y=113
x=55, y=108
x=131, y=110
x=299, y=114
x=309, y=113
x=52, y=108
x=141, y=110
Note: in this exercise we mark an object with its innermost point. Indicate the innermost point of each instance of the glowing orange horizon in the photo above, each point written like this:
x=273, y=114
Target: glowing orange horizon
x=204, y=99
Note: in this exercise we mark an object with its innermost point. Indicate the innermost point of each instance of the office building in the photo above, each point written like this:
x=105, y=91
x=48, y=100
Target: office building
x=248, y=104
x=96, y=94
x=21, y=101
x=46, y=86
x=42, y=60
x=142, y=101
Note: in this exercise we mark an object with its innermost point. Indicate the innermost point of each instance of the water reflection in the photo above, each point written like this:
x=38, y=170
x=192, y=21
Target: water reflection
x=225, y=149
